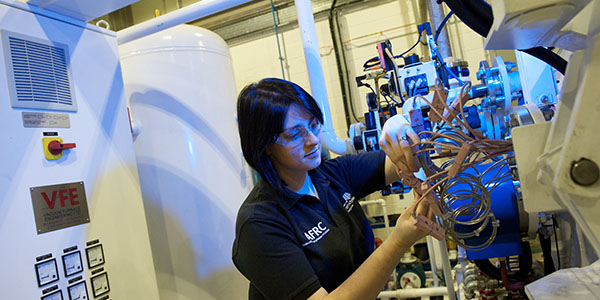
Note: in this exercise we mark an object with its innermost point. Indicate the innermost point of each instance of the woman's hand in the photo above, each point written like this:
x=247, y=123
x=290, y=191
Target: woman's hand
x=405, y=225
x=396, y=139
x=397, y=136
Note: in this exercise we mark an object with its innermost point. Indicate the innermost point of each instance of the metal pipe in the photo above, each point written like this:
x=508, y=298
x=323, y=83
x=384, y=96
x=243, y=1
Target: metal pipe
x=432, y=260
x=386, y=222
x=420, y=9
x=447, y=270
x=187, y=14
x=277, y=37
x=414, y=293
x=436, y=14
x=316, y=77
x=342, y=67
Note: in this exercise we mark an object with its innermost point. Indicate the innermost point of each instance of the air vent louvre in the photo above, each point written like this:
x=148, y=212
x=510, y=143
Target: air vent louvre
x=38, y=73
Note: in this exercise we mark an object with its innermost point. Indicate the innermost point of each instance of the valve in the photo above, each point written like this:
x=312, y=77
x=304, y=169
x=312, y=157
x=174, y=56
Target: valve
x=54, y=147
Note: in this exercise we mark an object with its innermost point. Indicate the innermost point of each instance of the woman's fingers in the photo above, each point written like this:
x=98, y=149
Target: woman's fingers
x=391, y=147
x=396, y=140
x=408, y=156
x=422, y=208
x=414, y=137
x=430, y=213
x=408, y=139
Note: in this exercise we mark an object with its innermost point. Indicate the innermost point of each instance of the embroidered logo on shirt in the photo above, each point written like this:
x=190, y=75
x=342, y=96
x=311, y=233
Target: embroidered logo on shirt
x=315, y=234
x=348, y=201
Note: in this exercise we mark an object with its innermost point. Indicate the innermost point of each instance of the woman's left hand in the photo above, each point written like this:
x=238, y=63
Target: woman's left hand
x=406, y=224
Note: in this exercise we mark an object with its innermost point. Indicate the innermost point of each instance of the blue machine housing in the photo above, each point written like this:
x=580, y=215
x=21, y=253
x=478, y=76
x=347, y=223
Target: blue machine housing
x=504, y=207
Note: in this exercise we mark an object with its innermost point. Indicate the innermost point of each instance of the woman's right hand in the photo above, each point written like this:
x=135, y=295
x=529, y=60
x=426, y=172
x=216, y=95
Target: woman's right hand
x=396, y=139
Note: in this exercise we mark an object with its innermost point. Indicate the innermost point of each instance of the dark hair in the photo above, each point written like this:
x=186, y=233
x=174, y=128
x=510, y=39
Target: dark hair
x=261, y=110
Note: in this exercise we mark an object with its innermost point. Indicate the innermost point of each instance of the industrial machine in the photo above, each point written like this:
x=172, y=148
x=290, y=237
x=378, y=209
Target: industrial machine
x=509, y=161
x=72, y=216
x=96, y=200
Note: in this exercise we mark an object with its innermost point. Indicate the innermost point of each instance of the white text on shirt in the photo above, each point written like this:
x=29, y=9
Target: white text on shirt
x=315, y=234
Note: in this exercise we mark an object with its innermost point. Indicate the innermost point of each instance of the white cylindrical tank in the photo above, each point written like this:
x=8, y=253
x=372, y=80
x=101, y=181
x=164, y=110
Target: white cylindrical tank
x=181, y=92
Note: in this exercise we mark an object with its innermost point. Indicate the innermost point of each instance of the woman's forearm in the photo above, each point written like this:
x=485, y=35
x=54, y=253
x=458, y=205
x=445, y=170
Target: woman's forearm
x=372, y=275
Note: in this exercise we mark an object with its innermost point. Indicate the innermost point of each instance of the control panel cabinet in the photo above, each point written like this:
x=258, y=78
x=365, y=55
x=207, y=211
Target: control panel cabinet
x=71, y=212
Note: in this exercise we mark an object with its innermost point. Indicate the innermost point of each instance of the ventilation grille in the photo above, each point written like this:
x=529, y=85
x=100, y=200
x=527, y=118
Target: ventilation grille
x=38, y=74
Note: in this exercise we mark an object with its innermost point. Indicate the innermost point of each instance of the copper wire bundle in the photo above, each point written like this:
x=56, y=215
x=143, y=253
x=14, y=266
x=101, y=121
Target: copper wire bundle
x=463, y=198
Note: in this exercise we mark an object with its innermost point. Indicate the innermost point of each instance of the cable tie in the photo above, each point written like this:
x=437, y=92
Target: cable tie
x=464, y=151
x=430, y=227
x=438, y=103
x=457, y=104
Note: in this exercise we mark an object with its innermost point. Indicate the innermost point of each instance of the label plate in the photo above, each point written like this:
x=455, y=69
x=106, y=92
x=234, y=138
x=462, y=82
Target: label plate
x=59, y=206
x=51, y=120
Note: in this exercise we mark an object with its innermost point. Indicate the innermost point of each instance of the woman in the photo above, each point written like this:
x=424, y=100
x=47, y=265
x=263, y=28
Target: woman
x=301, y=233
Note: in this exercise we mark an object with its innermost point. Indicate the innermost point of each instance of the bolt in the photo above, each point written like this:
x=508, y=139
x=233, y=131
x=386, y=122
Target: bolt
x=548, y=114
x=510, y=66
x=512, y=120
x=584, y=172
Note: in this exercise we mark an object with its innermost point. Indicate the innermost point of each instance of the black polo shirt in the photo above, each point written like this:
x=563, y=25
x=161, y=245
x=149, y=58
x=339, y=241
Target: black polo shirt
x=289, y=245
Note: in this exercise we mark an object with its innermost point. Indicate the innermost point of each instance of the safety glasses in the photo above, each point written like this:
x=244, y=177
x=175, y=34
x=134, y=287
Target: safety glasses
x=298, y=135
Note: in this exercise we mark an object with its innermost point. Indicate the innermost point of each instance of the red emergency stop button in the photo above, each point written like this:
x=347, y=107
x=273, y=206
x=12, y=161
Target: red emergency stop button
x=56, y=147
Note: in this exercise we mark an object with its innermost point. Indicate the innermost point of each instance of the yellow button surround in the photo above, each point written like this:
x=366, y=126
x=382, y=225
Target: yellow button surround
x=47, y=153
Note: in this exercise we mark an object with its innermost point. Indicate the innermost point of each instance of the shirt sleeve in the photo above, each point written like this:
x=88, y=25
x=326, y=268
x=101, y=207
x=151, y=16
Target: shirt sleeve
x=364, y=172
x=267, y=254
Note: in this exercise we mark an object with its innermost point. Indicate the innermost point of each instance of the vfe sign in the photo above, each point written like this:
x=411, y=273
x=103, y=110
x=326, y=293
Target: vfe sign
x=72, y=195
x=59, y=206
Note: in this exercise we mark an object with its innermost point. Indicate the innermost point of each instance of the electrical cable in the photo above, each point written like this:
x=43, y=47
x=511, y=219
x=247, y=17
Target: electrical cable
x=401, y=98
x=277, y=36
x=386, y=101
x=341, y=66
x=445, y=66
x=525, y=265
x=413, y=46
x=393, y=77
x=545, y=244
x=377, y=93
x=485, y=266
x=554, y=226
x=369, y=63
x=366, y=65
x=441, y=26
x=386, y=95
x=372, y=90
x=507, y=284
